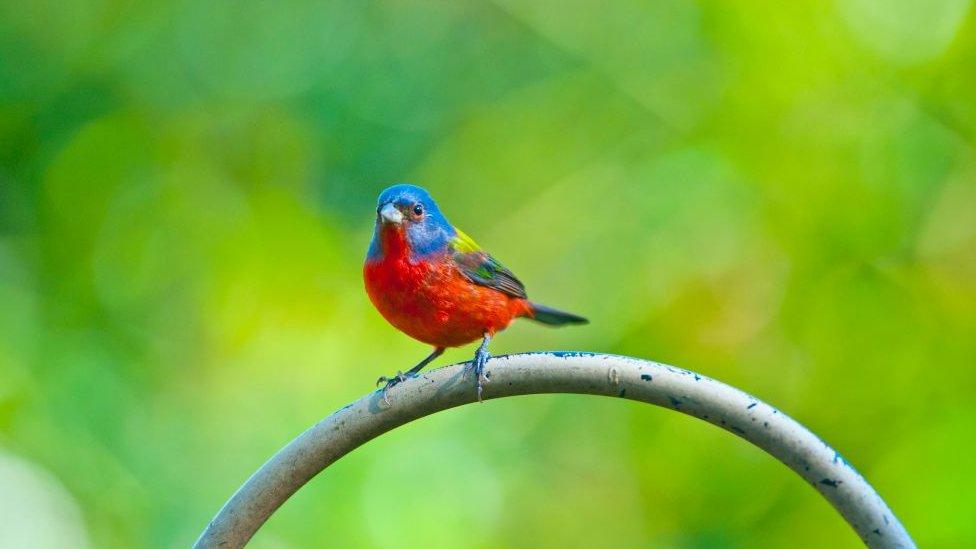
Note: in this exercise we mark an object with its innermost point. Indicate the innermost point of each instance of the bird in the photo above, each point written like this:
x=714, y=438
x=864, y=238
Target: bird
x=432, y=282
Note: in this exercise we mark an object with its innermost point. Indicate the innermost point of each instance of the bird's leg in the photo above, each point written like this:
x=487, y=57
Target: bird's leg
x=480, y=358
x=401, y=376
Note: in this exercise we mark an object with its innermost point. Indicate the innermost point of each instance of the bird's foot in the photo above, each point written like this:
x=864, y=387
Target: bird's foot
x=478, y=365
x=400, y=377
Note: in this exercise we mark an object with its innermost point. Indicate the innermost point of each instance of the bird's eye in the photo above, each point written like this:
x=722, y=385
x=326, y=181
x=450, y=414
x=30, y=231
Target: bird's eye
x=418, y=209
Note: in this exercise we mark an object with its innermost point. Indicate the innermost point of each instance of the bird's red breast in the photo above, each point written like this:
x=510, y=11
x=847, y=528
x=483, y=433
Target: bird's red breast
x=430, y=300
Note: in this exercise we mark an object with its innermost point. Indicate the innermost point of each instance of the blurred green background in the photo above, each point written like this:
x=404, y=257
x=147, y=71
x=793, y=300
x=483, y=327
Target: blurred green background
x=781, y=195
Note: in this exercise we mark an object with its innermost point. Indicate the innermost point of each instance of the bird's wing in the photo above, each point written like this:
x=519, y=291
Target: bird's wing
x=479, y=267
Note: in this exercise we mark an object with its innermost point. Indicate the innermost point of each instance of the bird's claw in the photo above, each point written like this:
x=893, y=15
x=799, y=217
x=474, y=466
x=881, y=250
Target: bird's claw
x=478, y=365
x=390, y=381
x=400, y=377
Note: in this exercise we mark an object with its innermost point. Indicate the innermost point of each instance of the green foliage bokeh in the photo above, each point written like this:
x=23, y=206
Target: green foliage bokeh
x=781, y=195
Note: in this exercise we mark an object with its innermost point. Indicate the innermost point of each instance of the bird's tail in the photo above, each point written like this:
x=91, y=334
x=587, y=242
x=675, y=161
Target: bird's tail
x=553, y=317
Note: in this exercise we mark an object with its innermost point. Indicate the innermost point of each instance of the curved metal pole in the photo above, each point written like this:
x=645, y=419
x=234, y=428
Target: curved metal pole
x=558, y=372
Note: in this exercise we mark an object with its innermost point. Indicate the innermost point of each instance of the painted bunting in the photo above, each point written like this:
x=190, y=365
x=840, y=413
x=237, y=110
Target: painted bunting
x=435, y=284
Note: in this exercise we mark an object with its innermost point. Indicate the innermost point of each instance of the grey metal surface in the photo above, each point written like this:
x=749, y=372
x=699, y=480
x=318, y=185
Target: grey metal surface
x=558, y=372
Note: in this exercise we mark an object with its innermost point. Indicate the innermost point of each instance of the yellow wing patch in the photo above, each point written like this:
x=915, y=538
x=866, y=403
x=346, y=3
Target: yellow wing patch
x=464, y=243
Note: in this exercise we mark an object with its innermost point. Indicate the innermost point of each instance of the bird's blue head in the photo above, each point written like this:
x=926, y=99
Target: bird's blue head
x=411, y=209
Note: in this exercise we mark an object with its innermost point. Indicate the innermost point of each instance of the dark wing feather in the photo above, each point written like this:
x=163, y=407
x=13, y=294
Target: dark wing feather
x=479, y=267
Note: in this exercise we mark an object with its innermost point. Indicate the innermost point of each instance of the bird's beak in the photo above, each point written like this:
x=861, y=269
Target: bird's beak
x=390, y=214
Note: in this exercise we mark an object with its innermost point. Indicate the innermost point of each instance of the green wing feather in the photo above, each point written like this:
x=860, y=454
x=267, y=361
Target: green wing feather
x=479, y=267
